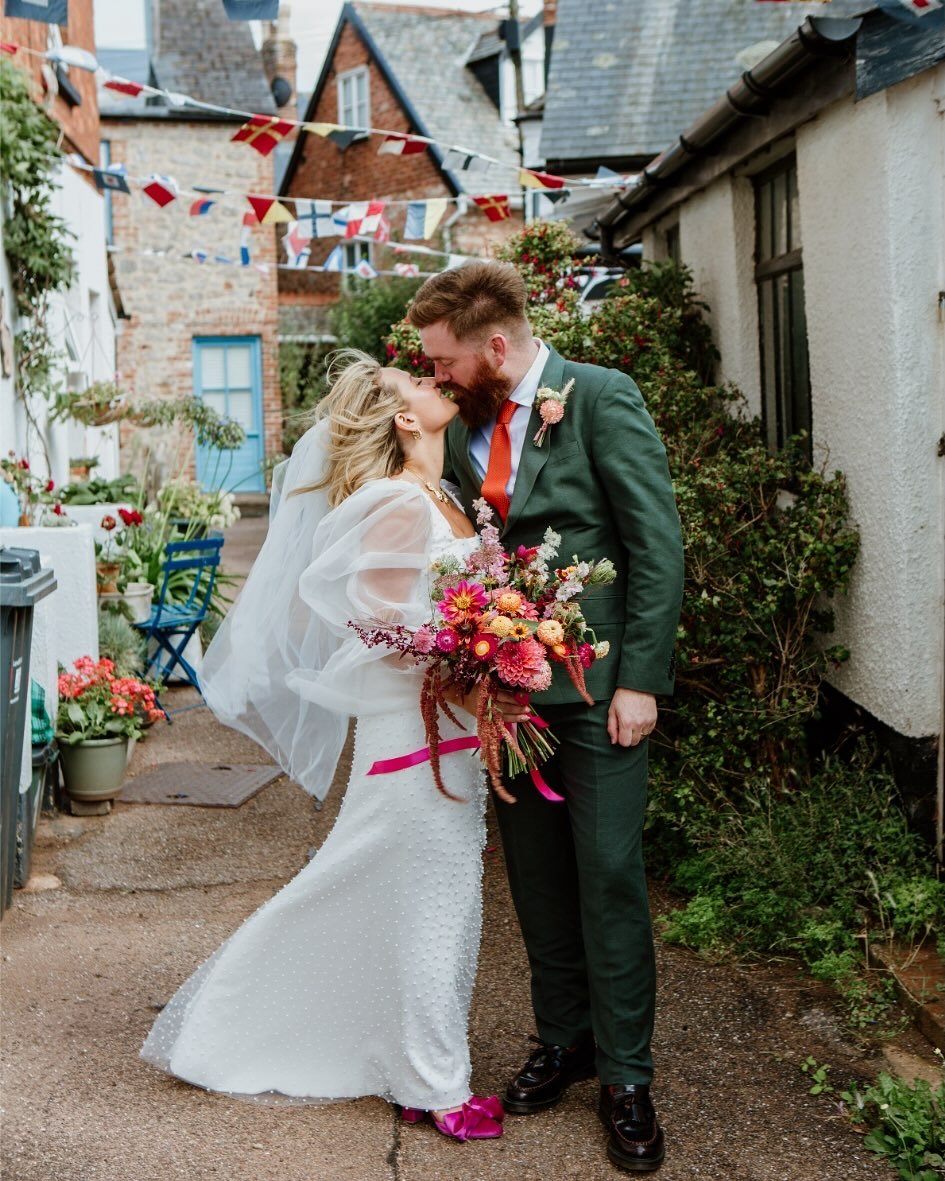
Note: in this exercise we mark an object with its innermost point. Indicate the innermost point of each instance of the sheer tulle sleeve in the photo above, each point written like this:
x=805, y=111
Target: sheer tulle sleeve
x=284, y=667
x=372, y=566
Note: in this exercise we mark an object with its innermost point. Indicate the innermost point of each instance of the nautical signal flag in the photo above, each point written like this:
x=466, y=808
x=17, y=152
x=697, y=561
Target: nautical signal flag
x=364, y=270
x=911, y=10
x=495, y=208
x=161, y=189
x=362, y=217
x=50, y=12
x=111, y=179
x=423, y=217
x=252, y=10
x=123, y=86
x=201, y=207
x=8, y=47
x=269, y=210
x=336, y=260
x=263, y=132
x=528, y=178
x=407, y=270
x=401, y=145
x=297, y=243
x=315, y=218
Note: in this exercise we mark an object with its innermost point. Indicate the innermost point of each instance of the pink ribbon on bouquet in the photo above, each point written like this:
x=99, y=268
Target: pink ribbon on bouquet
x=470, y=742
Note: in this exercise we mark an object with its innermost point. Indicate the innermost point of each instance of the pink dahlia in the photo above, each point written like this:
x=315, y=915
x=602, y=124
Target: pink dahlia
x=551, y=412
x=463, y=602
x=541, y=680
x=519, y=662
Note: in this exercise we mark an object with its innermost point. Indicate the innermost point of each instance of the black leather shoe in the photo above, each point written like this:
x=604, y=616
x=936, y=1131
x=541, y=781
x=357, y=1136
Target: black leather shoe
x=636, y=1139
x=548, y=1073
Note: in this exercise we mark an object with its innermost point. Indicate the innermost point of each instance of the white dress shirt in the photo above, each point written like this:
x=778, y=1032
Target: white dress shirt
x=524, y=394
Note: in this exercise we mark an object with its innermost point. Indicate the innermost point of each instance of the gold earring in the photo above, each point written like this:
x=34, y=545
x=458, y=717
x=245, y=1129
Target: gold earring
x=417, y=434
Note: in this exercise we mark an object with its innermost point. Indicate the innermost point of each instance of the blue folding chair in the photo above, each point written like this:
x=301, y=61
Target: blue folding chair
x=173, y=620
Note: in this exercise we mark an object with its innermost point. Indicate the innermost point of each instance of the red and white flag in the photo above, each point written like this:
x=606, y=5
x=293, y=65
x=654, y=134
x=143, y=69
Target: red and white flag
x=263, y=132
x=161, y=189
x=362, y=217
x=401, y=145
x=123, y=86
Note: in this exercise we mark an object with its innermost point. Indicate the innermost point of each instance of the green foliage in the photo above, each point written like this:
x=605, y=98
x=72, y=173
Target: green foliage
x=362, y=318
x=906, y=1124
x=797, y=872
x=819, y=1076
x=302, y=370
x=35, y=240
x=101, y=491
x=120, y=641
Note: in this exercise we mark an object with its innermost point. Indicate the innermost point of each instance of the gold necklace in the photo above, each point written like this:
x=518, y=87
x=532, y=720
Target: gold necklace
x=436, y=493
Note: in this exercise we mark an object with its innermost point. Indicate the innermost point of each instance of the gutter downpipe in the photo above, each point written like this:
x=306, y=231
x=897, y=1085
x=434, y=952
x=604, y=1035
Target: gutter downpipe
x=816, y=37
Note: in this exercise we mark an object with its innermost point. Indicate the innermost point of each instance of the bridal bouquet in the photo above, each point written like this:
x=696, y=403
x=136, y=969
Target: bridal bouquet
x=500, y=620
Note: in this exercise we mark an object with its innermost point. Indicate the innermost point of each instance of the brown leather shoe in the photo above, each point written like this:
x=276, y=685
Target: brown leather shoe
x=636, y=1139
x=548, y=1073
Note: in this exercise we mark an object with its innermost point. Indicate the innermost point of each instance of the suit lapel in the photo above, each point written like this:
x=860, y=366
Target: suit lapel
x=534, y=458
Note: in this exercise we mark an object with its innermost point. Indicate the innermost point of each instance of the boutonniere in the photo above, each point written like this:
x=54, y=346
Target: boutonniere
x=550, y=404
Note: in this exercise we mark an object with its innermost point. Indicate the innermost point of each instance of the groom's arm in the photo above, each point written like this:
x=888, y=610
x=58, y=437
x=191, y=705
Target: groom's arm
x=631, y=462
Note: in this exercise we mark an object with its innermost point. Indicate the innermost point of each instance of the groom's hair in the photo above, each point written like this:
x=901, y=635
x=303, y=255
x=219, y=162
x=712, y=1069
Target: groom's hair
x=473, y=300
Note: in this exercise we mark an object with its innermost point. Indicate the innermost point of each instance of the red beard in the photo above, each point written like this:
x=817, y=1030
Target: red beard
x=480, y=402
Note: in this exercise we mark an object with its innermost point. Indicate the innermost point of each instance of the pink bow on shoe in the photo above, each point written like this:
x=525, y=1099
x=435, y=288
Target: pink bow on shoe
x=488, y=1105
x=469, y=1123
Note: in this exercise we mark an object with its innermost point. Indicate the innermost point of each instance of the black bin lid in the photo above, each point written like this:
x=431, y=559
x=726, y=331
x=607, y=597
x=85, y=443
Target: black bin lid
x=23, y=582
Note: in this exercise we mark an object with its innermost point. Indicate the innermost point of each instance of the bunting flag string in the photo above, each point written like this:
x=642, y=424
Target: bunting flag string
x=263, y=132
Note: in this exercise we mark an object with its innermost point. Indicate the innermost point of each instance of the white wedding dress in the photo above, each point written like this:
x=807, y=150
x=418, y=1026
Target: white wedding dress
x=356, y=978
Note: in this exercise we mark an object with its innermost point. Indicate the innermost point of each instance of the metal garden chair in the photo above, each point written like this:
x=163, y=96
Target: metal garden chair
x=173, y=619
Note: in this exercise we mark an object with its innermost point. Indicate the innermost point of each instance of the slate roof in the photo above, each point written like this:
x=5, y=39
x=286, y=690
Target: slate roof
x=199, y=52
x=424, y=51
x=627, y=76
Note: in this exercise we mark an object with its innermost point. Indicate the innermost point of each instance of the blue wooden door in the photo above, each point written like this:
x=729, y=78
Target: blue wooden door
x=228, y=378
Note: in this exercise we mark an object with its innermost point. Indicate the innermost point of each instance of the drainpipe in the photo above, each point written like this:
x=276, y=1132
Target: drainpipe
x=462, y=205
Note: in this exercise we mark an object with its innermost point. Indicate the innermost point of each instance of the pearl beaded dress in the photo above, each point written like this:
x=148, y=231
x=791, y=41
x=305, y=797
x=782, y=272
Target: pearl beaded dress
x=356, y=978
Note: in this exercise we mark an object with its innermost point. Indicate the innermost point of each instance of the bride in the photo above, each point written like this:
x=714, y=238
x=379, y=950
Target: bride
x=356, y=978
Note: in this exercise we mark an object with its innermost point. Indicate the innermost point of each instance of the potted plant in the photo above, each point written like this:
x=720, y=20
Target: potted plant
x=35, y=494
x=119, y=569
x=99, y=404
x=80, y=466
x=99, y=714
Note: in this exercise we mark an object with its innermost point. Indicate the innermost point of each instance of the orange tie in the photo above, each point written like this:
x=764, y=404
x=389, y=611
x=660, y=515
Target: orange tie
x=500, y=461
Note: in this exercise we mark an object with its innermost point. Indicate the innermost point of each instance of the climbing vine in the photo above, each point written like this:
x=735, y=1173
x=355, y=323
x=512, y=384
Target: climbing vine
x=35, y=239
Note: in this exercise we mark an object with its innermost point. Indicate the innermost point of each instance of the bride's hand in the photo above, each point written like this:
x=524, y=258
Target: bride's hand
x=510, y=707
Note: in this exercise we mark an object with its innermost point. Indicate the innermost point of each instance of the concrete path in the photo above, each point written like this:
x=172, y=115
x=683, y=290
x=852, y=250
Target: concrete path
x=137, y=899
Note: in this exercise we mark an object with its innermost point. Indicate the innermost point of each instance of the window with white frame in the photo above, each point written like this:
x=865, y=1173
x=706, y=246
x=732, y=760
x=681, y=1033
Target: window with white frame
x=354, y=107
x=354, y=252
x=779, y=278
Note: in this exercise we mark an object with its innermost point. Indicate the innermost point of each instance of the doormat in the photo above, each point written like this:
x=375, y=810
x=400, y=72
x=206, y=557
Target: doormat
x=208, y=785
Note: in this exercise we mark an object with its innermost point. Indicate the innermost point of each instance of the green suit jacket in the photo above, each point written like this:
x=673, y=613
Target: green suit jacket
x=601, y=480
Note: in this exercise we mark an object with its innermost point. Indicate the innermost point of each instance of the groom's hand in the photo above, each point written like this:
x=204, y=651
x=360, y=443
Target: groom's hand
x=631, y=717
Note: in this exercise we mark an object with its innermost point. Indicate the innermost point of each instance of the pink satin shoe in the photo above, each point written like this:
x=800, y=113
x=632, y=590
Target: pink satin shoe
x=480, y=1118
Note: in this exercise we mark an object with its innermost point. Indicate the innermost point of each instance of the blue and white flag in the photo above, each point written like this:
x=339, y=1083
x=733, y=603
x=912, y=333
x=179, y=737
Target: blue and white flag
x=51, y=12
x=113, y=179
x=252, y=10
x=336, y=260
x=315, y=219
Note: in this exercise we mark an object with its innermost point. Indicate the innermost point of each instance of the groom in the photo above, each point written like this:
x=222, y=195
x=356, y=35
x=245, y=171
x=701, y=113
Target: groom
x=600, y=479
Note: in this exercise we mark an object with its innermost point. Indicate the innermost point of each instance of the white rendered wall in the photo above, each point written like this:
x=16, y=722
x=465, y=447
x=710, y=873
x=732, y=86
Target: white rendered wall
x=717, y=242
x=870, y=178
x=83, y=318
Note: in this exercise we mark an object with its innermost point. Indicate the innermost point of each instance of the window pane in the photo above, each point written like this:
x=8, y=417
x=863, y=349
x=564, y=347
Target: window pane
x=238, y=369
x=800, y=365
x=794, y=213
x=212, y=367
x=778, y=216
x=764, y=222
x=215, y=401
x=241, y=408
x=769, y=378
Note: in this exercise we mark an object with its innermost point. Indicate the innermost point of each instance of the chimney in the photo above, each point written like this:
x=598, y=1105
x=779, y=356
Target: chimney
x=278, y=61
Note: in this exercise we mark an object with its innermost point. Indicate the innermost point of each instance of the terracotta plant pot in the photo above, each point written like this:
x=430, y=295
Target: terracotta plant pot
x=106, y=577
x=94, y=770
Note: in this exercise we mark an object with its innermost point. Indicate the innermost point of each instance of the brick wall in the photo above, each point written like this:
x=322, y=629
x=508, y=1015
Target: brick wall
x=171, y=299
x=325, y=171
x=81, y=123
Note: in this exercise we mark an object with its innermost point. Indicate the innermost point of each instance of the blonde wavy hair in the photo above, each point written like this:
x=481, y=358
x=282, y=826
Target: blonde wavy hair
x=363, y=442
